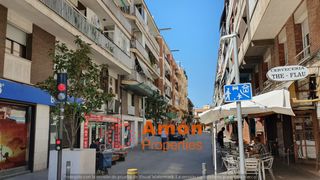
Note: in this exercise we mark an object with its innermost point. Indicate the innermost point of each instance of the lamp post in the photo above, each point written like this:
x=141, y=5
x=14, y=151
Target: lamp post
x=239, y=114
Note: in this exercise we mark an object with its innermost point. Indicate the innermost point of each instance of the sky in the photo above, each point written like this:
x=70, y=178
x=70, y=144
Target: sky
x=195, y=33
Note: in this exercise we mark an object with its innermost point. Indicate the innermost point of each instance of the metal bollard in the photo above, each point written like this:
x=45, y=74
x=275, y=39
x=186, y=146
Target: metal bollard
x=132, y=174
x=288, y=156
x=204, y=171
x=68, y=170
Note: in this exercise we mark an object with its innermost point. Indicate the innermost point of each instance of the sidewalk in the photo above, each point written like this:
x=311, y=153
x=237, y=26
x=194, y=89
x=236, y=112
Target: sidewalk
x=31, y=176
x=281, y=171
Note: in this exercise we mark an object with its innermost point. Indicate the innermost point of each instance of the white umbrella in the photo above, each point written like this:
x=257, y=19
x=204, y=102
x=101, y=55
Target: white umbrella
x=277, y=101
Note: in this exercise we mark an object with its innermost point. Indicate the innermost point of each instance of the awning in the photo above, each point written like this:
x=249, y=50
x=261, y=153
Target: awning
x=277, y=101
x=144, y=68
x=140, y=89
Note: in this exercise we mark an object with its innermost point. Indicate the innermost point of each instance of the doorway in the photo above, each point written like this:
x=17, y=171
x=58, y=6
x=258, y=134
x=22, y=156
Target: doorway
x=304, y=139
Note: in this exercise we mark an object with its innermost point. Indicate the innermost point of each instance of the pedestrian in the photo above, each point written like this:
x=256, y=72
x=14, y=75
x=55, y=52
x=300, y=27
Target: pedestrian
x=164, y=139
x=220, y=137
x=258, y=147
x=95, y=145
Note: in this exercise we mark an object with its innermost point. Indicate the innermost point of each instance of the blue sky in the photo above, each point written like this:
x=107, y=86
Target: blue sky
x=195, y=32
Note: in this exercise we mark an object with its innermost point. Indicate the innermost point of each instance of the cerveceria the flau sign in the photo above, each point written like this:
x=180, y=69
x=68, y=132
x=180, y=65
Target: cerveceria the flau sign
x=287, y=73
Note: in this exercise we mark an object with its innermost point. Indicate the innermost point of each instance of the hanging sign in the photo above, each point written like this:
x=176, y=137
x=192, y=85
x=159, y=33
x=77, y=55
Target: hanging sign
x=287, y=73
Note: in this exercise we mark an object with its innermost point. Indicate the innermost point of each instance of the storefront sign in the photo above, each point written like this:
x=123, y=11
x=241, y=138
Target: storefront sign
x=23, y=92
x=102, y=118
x=287, y=73
x=86, y=135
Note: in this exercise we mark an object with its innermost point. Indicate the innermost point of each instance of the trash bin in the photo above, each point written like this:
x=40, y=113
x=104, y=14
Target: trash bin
x=105, y=160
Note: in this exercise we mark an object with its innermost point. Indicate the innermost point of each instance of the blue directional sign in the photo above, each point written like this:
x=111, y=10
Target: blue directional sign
x=237, y=92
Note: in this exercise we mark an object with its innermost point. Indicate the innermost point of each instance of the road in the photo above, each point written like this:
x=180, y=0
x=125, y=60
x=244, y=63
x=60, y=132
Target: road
x=171, y=162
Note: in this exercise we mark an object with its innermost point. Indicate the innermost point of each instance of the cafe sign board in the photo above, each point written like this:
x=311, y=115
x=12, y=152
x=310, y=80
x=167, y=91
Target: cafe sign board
x=287, y=73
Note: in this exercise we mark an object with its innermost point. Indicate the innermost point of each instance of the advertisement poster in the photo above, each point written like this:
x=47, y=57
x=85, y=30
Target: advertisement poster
x=13, y=137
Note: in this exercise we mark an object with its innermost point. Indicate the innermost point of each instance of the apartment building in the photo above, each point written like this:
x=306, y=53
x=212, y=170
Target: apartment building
x=29, y=31
x=270, y=34
x=122, y=34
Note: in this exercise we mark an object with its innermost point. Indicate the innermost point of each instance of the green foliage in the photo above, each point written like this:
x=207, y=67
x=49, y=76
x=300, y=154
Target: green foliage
x=156, y=107
x=83, y=83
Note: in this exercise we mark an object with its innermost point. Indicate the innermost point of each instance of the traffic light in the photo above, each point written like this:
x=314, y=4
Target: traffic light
x=58, y=144
x=62, y=87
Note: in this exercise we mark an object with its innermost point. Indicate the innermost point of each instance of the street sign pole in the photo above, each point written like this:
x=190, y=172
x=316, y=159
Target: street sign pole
x=239, y=114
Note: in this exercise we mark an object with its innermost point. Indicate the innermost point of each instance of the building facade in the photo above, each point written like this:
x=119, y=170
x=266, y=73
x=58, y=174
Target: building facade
x=270, y=34
x=123, y=36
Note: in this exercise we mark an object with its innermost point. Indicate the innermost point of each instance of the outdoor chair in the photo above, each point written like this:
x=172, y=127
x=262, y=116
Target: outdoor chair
x=267, y=163
x=231, y=164
x=252, y=167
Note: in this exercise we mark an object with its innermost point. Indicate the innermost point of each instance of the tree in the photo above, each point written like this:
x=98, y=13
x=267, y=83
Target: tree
x=84, y=93
x=156, y=107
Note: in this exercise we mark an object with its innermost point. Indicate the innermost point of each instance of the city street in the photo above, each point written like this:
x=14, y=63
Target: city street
x=156, y=162
x=90, y=88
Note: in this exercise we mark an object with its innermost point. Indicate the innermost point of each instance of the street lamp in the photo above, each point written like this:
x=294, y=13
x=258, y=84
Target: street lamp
x=164, y=29
x=239, y=114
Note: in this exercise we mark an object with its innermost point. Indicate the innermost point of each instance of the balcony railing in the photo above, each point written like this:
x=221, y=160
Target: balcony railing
x=137, y=77
x=136, y=44
x=79, y=21
x=117, y=12
x=140, y=18
x=303, y=55
x=137, y=14
x=152, y=86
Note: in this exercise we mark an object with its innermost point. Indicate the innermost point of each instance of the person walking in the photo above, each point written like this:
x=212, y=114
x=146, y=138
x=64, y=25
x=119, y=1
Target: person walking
x=164, y=139
x=220, y=137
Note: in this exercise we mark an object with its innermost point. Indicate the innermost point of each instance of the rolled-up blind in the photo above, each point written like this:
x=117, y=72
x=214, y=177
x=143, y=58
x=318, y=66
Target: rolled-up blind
x=16, y=34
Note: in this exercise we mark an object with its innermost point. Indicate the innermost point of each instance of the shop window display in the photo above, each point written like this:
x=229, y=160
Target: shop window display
x=13, y=136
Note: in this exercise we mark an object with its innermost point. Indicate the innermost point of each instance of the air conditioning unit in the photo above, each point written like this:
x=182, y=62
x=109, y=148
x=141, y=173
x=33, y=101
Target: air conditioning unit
x=102, y=109
x=113, y=106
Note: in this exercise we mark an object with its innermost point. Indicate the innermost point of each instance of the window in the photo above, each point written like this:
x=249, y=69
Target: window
x=16, y=41
x=305, y=37
x=141, y=103
x=15, y=48
x=285, y=46
x=132, y=99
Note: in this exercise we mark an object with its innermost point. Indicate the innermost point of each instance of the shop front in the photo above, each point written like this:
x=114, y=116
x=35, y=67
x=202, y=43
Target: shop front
x=15, y=127
x=305, y=124
x=105, y=128
x=24, y=127
x=304, y=136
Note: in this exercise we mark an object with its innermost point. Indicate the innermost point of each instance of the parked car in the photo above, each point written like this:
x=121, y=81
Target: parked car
x=176, y=137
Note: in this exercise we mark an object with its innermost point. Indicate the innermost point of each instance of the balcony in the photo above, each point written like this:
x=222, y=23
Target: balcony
x=118, y=14
x=168, y=93
x=17, y=68
x=166, y=62
x=77, y=20
x=269, y=16
x=304, y=55
x=152, y=86
x=137, y=77
x=137, y=45
x=141, y=19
